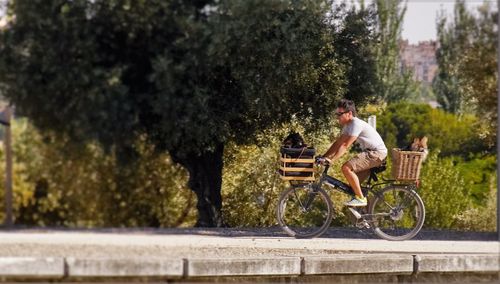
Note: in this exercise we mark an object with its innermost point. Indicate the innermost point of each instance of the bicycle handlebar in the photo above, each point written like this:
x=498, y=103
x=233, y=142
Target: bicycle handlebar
x=323, y=162
x=320, y=160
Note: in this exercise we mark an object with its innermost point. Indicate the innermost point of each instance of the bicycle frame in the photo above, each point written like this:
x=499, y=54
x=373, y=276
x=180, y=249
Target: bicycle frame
x=341, y=186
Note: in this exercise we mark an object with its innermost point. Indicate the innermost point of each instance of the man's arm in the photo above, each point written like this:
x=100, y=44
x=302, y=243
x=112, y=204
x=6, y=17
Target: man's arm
x=339, y=147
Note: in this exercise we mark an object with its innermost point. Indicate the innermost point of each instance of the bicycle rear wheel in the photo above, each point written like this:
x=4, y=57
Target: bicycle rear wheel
x=304, y=212
x=397, y=213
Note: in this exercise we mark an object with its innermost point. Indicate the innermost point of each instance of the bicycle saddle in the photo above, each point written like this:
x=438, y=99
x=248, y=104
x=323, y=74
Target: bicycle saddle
x=379, y=169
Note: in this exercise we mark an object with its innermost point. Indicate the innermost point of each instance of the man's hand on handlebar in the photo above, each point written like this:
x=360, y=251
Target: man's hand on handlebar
x=320, y=160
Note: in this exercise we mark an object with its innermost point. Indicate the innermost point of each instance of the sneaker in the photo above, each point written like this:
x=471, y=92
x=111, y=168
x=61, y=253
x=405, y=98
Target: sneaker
x=357, y=202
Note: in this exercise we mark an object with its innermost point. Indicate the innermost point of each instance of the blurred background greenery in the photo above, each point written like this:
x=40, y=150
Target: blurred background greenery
x=118, y=101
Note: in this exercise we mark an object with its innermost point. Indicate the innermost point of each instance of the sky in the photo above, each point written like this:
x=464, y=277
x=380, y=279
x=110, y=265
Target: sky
x=420, y=18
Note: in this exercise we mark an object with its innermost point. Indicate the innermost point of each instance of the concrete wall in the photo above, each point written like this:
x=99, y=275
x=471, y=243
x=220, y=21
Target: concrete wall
x=387, y=266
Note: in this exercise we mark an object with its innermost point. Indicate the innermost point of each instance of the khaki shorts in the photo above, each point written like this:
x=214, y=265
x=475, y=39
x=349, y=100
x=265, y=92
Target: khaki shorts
x=363, y=162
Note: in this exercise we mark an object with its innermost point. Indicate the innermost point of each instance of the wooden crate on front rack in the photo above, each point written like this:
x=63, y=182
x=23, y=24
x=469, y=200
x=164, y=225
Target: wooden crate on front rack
x=297, y=164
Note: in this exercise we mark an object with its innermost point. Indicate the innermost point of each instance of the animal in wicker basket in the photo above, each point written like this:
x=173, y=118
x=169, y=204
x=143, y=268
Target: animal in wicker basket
x=419, y=145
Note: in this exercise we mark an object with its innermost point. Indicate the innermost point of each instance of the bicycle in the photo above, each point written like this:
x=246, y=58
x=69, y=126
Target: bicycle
x=394, y=212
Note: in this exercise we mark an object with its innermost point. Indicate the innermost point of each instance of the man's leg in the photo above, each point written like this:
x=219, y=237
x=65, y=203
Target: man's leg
x=359, y=163
x=352, y=178
x=363, y=175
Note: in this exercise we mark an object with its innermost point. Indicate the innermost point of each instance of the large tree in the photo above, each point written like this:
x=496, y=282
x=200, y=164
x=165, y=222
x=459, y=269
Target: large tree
x=479, y=71
x=394, y=83
x=467, y=59
x=188, y=75
x=356, y=42
x=454, y=39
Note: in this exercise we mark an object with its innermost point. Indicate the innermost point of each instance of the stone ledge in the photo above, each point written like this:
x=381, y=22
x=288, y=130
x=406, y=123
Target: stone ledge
x=133, y=267
x=32, y=267
x=359, y=264
x=241, y=267
x=458, y=263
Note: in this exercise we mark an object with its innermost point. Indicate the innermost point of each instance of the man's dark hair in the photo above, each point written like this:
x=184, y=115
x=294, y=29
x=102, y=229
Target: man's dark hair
x=347, y=105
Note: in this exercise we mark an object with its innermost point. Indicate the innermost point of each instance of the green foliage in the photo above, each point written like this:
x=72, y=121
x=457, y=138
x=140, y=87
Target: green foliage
x=467, y=59
x=453, y=39
x=455, y=182
x=400, y=123
x=63, y=184
x=443, y=191
x=482, y=217
x=478, y=172
x=356, y=40
x=188, y=76
x=57, y=183
x=145, y=77
x=393, y=85
x=452, y=188
x=251, y=186
x=425, y=93
x=479, y=71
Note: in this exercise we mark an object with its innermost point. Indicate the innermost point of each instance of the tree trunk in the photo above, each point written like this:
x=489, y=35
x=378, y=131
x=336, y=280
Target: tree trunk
x=205, y=179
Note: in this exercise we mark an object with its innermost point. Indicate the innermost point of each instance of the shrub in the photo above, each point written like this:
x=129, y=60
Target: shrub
x=399, y=123
x=482, y=217
x=443, y=191
x=477, y=172
x=57, y=183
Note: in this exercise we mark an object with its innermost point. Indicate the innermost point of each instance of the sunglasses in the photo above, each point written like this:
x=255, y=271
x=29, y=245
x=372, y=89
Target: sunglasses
x=340, y=113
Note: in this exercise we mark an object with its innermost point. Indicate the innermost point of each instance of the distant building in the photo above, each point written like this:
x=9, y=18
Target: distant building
x=420, y=59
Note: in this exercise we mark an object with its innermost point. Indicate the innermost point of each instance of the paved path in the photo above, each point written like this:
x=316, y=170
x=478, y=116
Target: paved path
x=185, y=254
x=225, y=242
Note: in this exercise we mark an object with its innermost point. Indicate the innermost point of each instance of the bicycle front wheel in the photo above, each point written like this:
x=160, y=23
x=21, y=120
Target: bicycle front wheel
x=304, y=212
x=397, y=213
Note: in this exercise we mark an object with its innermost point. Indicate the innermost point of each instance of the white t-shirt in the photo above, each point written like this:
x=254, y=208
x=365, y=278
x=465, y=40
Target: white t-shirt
x=368, y=137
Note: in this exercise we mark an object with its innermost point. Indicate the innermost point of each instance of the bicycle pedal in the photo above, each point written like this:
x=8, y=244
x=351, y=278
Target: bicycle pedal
x=366, y=224
x=362, y=224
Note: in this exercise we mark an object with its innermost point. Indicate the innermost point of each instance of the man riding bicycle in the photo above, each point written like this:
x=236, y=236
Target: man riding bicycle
x=374, y=152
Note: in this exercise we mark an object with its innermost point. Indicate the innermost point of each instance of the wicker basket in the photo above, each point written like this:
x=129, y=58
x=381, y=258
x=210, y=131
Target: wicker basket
x=406, y=165
x=297, y=164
